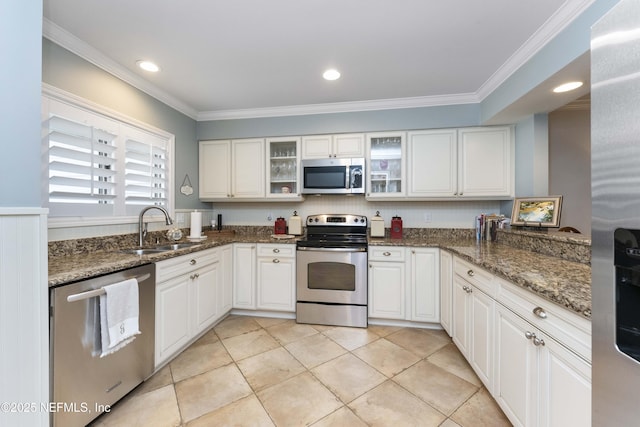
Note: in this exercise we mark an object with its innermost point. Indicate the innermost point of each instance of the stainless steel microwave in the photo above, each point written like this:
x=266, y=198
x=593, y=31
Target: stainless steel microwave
x=333, y=176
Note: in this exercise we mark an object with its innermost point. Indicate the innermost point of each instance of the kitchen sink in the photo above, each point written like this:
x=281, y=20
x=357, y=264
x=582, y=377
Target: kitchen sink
x=158, y=249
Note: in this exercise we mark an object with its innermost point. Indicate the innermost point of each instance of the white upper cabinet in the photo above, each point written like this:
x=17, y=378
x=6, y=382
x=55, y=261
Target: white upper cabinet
x=474, y=163
x=283, y=168
x=232, y=170
x=386, y=174
x=486, y=162
x=325, y=146
x=432, y=158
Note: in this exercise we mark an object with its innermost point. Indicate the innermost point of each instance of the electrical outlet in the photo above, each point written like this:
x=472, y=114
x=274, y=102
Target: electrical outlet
x=180, y=218
x=427, y=217
x=270, y=216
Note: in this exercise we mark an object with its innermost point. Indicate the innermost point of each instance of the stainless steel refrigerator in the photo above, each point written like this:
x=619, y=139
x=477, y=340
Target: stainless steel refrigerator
x=615, y=171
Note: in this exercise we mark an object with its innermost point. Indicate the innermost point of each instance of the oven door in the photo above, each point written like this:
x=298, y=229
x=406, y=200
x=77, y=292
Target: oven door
x=332, y=275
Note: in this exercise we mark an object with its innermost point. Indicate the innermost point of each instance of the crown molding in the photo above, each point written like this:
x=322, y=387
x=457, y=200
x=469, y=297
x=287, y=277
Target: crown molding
x=65, y=39
x=550, y=29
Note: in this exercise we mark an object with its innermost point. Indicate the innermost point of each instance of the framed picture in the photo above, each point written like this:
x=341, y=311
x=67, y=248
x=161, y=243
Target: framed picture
x=537, y=211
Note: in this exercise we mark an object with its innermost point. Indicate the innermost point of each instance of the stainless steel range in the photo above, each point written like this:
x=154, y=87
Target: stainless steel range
x=332, y=271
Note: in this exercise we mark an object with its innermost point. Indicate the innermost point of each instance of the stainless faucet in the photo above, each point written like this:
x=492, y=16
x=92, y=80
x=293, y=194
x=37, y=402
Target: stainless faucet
x=142, y=229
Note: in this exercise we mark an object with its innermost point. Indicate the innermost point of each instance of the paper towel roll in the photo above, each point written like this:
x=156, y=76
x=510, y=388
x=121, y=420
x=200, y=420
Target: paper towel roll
x=196, y=224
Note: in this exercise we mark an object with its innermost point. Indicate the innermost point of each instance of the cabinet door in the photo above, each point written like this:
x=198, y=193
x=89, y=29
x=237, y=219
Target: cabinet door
x=425, y=286
x=446, y=289
x=225, y=288
x=282, y=167
x=214, y=169
x=515, y=382
x=172, y=317
x=248, y=168
x=460, y=315
x=244, y=276
x=481, y=344
x=387, y=290
x=205, y=283
x=276, y=283
x=432, y=163
x=565, y=386
x=348, y=145
x=386, y=175
x=317, y=147
x=485, y=162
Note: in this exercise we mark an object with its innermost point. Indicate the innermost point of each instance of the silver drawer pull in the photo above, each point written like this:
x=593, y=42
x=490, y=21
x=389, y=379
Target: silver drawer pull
x=470, y=273
x=538, y=341
x=276, y=251
x=276, y=261
x=387, y=254
x=539, y=311
x=192, y=262
x=194, y=276
x=529, y=335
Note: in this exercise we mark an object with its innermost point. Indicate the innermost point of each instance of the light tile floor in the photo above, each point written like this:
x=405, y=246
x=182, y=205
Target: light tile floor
x=251, y=371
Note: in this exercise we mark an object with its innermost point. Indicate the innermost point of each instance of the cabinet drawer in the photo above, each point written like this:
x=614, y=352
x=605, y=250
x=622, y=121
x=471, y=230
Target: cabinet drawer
x=386, y=253
x=275, y=249
x=185, y=263
x=478, y=277
x=572, y=330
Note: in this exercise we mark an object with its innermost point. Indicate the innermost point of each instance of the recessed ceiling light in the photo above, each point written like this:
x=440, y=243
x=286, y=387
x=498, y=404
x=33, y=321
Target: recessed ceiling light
x=567, y=87
x=331, y=75
x=148, y=66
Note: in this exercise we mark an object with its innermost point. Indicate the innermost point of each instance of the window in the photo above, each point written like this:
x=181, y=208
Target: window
x=103, y=167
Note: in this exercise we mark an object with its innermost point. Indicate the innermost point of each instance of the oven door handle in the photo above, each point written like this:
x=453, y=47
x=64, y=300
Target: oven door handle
x=361, y=249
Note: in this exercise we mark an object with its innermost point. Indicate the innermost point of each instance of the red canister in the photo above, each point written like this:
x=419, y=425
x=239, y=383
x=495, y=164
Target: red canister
x=396, y=227
x=281, y=226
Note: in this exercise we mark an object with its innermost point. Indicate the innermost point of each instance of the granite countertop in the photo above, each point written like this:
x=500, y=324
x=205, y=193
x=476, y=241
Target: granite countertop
x=562, y=282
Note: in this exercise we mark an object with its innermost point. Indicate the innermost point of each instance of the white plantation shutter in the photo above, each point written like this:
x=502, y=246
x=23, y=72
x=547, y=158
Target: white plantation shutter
x=82, y=168
x=146, y=179
x=102, y=167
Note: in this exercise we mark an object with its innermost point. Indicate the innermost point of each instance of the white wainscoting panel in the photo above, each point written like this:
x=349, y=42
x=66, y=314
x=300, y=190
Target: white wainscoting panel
x=24, y=317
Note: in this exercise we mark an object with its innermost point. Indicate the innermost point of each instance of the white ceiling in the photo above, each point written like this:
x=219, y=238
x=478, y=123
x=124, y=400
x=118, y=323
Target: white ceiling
x=253, y=58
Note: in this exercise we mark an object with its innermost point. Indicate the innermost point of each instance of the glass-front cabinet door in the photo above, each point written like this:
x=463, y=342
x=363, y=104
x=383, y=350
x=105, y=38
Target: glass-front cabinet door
x=386, y=171
x=283, y=171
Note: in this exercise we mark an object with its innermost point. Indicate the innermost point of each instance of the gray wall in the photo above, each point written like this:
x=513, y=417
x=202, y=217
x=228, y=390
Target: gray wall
x=365, y=121
x=20, y=77
x=67, y=71
x=570, y=165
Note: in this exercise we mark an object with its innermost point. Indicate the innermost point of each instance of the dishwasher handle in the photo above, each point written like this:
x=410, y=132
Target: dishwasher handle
x=100, y=291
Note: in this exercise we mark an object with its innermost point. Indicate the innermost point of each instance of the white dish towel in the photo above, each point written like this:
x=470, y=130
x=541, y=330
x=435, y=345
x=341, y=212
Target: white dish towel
x=119, y=313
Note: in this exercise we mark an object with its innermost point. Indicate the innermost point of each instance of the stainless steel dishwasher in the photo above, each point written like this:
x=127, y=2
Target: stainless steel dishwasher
x=83, y=384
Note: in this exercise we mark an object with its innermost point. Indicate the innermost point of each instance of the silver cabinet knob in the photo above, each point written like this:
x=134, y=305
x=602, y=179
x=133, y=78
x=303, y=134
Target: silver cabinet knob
x=192, y=262
x=276, y=261
x=539, y=311
x=529, y=335
x=471, y=273
x=387, y=254
x=538, y=341
x=276, y=251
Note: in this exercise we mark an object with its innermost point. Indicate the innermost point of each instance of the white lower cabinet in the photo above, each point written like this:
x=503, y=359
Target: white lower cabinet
x=244, y=276
x=472, y=327
x=533, y=356
x=424, y=284
x=446, y=289
x=539, y=382
x=225, y=290
x=276, y=277
x=387, y=288
x=186, y=300
x=264, y=276
x=404, y=283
